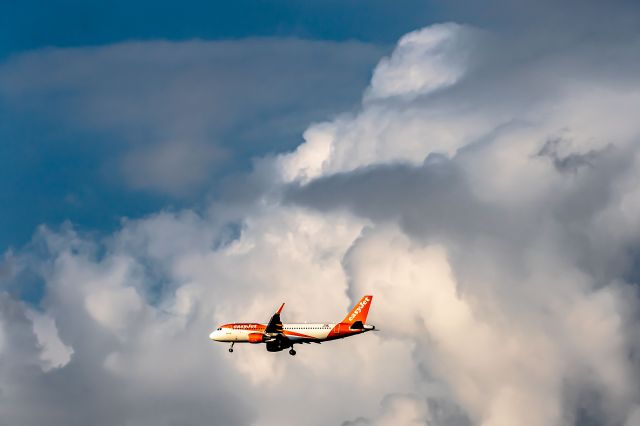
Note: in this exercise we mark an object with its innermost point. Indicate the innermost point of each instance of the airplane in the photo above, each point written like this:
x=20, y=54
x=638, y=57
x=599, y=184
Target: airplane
x=278, y=336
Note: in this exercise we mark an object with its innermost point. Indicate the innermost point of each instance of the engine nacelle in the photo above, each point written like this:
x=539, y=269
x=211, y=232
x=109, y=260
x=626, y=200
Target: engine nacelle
x=256, y=338
x=278, y=345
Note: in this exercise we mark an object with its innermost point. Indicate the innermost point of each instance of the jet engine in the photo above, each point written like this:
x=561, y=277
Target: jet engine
x=256, y=338
x=278, y=344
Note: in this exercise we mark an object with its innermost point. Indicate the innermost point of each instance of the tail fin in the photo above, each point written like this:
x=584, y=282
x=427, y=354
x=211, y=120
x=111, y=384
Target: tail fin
x=359, y=312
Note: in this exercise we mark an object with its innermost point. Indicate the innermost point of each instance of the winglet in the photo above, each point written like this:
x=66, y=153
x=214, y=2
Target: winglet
x=280, y=310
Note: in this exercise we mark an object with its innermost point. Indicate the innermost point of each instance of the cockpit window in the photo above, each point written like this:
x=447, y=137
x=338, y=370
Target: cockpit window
x=219, y=328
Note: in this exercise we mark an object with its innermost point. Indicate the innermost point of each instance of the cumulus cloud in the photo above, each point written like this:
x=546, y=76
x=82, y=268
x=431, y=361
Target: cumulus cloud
x=501, y=261
x=423, y=61
x=489, y=203
x=54, y=353
x=136, y=342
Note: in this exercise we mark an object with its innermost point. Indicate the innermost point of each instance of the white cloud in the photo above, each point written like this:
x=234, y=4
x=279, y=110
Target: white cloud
x=494, y=217
x=424, y=61
x=506, y=267
x=54, y=353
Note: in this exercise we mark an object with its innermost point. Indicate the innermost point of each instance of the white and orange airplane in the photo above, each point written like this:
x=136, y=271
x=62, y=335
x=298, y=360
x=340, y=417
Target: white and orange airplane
x=278, y=336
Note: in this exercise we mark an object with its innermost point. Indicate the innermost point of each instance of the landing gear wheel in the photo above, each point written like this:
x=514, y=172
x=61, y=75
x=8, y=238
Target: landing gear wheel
x=292, y=351
x=230, y=349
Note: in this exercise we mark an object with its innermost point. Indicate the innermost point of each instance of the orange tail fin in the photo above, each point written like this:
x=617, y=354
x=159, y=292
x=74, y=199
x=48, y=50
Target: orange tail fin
x=360, y=311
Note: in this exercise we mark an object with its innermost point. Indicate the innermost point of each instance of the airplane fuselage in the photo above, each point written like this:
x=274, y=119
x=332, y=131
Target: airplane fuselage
x=251, y=332
x=278, y=336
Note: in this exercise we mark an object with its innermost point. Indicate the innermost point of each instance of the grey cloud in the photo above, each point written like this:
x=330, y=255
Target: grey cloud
x=551, y=24
x=170, y=117
x=407, y=409
x=436, y=202
x=433, y=199
x=572, y=162
x=174, y=167
x=7, y=267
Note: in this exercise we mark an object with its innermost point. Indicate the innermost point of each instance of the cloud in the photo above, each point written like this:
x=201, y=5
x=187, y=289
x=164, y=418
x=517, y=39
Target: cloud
x=503, y=266
x=54, y=354
x=170, y=117
x=571, y=163
x=423, y=61
x=409, y=409
x=172, y=167
x=137, y=340
x=398, y=410
x=489, y=245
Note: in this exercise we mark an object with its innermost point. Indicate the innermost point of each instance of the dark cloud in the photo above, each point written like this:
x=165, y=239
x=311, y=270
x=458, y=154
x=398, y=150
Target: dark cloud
x=572, y=162
x=432, y=200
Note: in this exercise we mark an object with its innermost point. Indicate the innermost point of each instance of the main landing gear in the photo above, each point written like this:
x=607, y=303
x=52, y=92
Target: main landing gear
x=231, y=348
x=292, y=351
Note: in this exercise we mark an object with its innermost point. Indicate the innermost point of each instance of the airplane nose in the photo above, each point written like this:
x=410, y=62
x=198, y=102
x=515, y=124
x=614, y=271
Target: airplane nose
x=213, y=335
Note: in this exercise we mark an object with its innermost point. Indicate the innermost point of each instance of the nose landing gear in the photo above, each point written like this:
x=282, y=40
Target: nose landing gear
x=231, y=348
x=292, y=351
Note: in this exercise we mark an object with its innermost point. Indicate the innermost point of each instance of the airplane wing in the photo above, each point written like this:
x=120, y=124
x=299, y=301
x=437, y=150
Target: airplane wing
x=275, y=324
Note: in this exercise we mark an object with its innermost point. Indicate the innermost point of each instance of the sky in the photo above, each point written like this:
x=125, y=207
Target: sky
x=473, y=166
x=57, y=166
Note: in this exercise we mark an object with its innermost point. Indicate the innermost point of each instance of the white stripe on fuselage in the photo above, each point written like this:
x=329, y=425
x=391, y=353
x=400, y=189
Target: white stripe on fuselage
x=317, y=331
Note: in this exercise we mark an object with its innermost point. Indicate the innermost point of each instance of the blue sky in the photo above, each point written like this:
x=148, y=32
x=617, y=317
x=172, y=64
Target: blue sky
x=33, y=24
x=57, y=164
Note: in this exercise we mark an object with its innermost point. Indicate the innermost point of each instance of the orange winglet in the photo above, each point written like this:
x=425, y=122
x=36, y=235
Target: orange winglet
x=280, y=310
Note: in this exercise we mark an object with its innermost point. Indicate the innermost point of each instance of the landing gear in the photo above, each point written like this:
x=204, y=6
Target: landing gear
x=292, y=351
x=231, y=348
